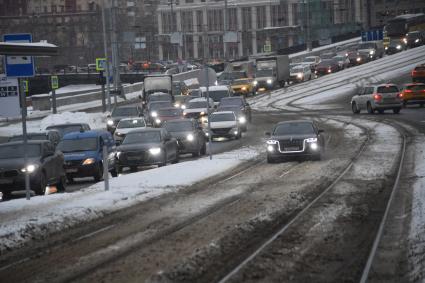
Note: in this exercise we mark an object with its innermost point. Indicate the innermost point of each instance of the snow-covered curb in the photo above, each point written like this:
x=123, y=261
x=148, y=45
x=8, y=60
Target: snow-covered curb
x=22, y=220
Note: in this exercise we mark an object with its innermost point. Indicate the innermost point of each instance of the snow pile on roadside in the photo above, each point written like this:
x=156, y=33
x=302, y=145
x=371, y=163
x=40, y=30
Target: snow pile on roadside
x=95, y=120
x=22, y=220
x=74, y=88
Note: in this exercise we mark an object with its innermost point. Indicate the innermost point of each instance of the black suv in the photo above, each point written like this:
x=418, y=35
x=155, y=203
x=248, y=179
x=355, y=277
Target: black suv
x=45, y=166
x=189, y=134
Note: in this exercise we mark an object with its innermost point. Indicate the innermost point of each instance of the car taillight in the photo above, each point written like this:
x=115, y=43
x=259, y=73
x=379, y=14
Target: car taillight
x=408, y=90
x=377, y=97
x=400, y=95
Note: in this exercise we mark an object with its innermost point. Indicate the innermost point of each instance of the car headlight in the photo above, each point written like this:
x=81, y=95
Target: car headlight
x=154, y=114
x=204, y=119
x=110, y=122
x=255, y=83
x=310, y=140
x=371, y=52
x=118, y=134
x=300, y=75
x=202, y=113
x=216, y=83
x=155, y=150
x=270, y=148
x=118, y=154
x=405, y=40
x=183, y=107
x=29, y=168
x=190, y=137
x=242, y=120
x=89, y=161
x=269, y=81
x=244, y=88
x=417, y=40
x=177, y=105
x=329, y=70
x=358, y=59
x=386, y=47
x=314, y=146
x=398, y=47
x=157, y=121
x=271, y=142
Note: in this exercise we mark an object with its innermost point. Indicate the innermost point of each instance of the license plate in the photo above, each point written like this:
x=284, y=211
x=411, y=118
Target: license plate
x=292, y=148
x=6, y=181
x=71, y=170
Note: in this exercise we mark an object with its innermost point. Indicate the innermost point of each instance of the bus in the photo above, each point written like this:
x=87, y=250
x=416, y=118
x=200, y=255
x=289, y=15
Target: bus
x=398, y=27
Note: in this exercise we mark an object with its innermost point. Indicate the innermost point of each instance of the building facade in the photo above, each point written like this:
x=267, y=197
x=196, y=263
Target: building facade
x=195, y=29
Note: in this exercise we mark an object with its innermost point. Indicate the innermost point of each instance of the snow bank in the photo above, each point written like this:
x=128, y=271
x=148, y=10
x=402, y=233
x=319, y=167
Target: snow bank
x=22, y=220
x=95, y=120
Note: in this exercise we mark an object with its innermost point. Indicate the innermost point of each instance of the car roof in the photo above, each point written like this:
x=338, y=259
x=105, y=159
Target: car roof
x=198, y=99
x=160, y=94
x=413, y=84
x=29, y=142
x=132, y=118
x=222, y=112
x=294, y=121
x=215, y=87
x=65, y=125
x=147, y=130
x=86, y=134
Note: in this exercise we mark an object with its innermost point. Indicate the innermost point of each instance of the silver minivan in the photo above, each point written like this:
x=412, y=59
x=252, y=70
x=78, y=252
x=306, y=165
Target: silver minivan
x=377, y=98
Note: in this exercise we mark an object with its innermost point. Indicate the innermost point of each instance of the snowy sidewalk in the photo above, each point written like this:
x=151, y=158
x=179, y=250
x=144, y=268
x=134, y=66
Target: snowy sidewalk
x=22, y=220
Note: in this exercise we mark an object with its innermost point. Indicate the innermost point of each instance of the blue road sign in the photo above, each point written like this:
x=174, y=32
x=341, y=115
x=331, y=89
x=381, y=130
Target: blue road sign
x=372, y=35
x=19, y=66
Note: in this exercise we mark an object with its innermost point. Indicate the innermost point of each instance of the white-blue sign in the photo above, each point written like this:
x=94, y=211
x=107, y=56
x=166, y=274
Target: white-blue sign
x=19, y=66
x=372, y=35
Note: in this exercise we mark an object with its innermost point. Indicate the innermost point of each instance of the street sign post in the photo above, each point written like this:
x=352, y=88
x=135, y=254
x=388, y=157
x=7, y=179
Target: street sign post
x=25, y=84
x=19, y=66
x=9, y=97
x=54, y=80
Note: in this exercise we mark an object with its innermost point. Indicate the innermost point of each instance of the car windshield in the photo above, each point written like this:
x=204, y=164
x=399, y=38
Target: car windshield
x=325, y=63
x=222, y=117
x=74, y=145
x=159, y=97
x=420, y=68
x=387, y=89
x=264, y=73
x=297, y=69
x=232, y=108
x=170, y=112
x=63, y=130
x=10, y=151
x=217, y=95
x=295, y=128
x=366, y=45
x=134, y=123
x=339, y=58
x=182, y=98
x=37, y=136
x=125, y=111
x=232, y=76
x=310, y=59
x=416, y=87
x=143, y=137
x=241, y=82
x=180, y=126
x=158, y=105
x=197, y=104
x=231, y=101
x=195, y=92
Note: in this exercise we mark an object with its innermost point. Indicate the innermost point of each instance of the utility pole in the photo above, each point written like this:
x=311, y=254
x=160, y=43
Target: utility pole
x=308, y=25
x=172, y=24
x=115, y=53
x=226, y=29
x=105, y=50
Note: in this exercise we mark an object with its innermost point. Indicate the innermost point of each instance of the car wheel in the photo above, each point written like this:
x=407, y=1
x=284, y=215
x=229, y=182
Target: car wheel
x=396, y=110
x=270, y=160
x=133, y=168
x=114, y=172
x=354, y=108
x=70, y=179
x=177, y=159
x=404, y=103
x=369, y=108
x=99, y=173
x=204, y=149
x=119, y=169
x=41, y=189
x=62, y=184
x=6, y=195
x=197, y=153
x=381, y=111
x=164, y=161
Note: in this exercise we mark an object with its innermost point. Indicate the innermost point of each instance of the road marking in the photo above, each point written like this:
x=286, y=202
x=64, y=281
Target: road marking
x=15, y=263
x=240, y=173
x=289, y=171
x=94, y=233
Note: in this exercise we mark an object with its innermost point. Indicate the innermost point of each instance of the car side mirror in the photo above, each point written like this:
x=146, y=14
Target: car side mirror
x=321, y=131
x=268, y=134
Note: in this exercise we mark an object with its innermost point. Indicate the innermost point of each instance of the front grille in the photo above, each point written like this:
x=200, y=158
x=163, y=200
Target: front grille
x=9, y=174
x=133, y=156
x=223, y=131
x=71, y=163
x=195, y=115
x=291, y=145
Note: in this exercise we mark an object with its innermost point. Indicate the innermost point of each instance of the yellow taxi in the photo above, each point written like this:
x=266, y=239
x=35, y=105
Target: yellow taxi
x=413, y=93
x=243, y=87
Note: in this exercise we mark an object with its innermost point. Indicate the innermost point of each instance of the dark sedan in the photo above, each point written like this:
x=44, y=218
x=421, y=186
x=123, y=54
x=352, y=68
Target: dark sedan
x=240, y=102
x=414, y=39
x=189, y=134
x=122, y=112
x=45, y=167
x=327, y=66
x=153, y=107
x=167, y=114
x=146, y=147
x=295, y=138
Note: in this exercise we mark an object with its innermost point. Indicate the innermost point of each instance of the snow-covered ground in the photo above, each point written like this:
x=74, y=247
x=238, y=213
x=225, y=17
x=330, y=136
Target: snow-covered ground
x=22, y=220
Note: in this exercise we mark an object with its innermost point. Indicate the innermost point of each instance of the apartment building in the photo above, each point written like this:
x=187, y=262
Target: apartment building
x=201, y=28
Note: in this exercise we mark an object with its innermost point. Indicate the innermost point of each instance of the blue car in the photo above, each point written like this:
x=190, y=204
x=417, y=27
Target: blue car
x=83, y=153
